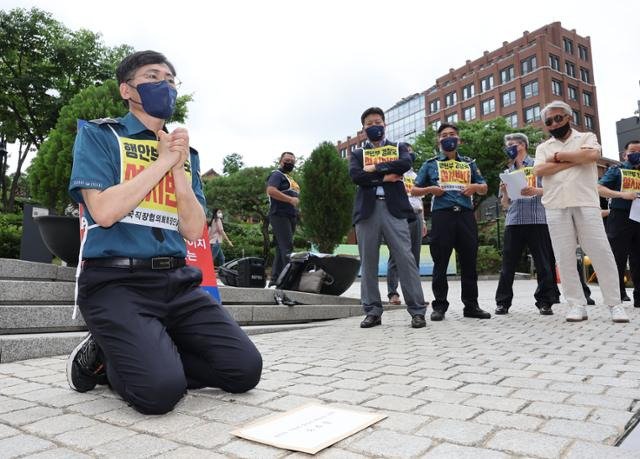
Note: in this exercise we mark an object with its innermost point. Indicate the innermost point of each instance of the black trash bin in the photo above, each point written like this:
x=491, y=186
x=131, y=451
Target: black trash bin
x=243, y=272
x=340, y=271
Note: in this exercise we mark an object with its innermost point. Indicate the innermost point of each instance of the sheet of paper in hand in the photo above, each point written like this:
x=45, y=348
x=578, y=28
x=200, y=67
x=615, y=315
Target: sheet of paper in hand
x=384, y=154
x=453, y=175
x=515, y=182
x=309, y=428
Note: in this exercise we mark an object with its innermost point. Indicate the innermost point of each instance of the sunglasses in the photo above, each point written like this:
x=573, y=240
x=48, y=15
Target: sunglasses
x=557, y=119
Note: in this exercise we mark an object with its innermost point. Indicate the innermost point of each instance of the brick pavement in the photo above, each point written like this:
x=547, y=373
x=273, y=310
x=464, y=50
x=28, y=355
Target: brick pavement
x=521, y=385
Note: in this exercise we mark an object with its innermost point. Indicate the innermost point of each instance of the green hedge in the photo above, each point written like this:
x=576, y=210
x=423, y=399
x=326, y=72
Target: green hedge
x=10, y=235
x=489, y=260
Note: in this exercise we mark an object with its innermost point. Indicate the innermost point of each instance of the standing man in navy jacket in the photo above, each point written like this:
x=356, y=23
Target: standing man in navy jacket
x=382, y=209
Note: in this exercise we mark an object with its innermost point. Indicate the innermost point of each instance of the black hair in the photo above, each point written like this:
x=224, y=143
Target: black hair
x=371, y=111
x=631, y=142
x=444, y=126
x=214, y=215
x=133, y=62
x=286, y=153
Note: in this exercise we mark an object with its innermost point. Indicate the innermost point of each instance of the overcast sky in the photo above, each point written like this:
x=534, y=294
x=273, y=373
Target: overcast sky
x=270, y=76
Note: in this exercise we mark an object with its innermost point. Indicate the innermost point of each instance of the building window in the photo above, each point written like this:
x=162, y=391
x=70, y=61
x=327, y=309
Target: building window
x=587, y=98
x=507, y=74
x=556, y=87
x=571, y=69
x=588, y=122
x=573, y=93
x=450, y=99
x=508, y=98
x=453, y=118
x=512, y=120
x=486, y=83
x=468, y=91
x=352, y=148
x=436, y=125
x=576, y=117
x=488, y=106
x=584, y=75
x=528, y=65
x=554, y=62
x=343, y=153
x=469, y=113
x=530, y=89
x=532, y=114
x=568, y=45
x=584, y=52
x=434, y=106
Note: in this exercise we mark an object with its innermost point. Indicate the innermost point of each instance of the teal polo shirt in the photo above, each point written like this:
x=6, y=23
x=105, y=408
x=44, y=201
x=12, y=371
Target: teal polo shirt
x=429, y=175
x=97, y=165
x=612, y=179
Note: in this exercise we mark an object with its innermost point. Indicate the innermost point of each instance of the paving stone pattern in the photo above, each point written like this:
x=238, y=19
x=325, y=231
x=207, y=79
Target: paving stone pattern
x=520, y=385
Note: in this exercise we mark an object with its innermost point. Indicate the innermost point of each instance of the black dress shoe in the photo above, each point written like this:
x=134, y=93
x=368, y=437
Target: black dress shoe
x=626, y=297
x=502, y=310
x=370, y=321
x=476, y=313
x=590, y=302
x=636, y=305
x=437, y=316
x=418, y=321
x=545, y=310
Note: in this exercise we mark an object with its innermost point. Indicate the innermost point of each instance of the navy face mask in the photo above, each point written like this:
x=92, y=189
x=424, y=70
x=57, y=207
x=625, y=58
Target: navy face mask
x=511, y=151
x=633, y=158
x=158, y=99
x=449, y=144
x=375, y=133
x=413, y=157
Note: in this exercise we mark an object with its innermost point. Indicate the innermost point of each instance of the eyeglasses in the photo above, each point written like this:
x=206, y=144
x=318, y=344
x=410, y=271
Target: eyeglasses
x=557, y=119
x=155, y=77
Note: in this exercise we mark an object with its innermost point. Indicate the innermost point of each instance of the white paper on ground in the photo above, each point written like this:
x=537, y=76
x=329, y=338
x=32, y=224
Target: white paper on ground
x=635, y=210
x=309, y=428
x=515, y=182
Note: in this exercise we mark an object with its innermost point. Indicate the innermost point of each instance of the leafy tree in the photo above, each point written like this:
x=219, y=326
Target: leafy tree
x=244, y=196
x=232, y=163
x=326, y=197
x=42, y=66
x=484, y=142
x=51, y=168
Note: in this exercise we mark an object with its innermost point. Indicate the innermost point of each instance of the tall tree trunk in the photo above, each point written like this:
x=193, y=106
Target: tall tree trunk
x=22, y=155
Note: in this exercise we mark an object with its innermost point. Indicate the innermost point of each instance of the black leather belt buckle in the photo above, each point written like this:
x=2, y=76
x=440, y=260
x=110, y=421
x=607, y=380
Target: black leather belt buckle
x=456, y=208
x=161, y=263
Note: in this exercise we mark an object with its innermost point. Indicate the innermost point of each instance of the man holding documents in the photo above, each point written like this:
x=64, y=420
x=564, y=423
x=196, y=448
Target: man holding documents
x=452, y=179
x=567, y=163
x=382, y=209
x=622, y=185
x=525, y=226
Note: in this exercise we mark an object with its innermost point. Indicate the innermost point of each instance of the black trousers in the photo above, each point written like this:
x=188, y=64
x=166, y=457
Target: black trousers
x=516, y=238
x=161, y=334
x=283, y=229
x=624, y=237
x=454, y=230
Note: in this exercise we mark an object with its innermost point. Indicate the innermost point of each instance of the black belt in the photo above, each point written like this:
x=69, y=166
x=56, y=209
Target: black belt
x=454, y=209
x=136, y=263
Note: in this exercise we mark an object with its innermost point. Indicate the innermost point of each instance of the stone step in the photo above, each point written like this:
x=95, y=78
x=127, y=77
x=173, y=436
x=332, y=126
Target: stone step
x=28, y=270
x=17, y=319
x=36, y=345
x=48, y=292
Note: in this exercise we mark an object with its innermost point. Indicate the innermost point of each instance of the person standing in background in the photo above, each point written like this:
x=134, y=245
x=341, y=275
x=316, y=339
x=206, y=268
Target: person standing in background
x=216, y=237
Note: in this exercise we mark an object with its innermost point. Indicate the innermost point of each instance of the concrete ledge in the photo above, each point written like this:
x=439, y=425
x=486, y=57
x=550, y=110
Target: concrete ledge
x=22, y=319
x=242, y=295
x=28, y=270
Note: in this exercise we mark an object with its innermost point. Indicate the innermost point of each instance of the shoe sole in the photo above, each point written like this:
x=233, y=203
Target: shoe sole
x=572, y=319
x=545, y=313
x=70, y=360
x=620, y=321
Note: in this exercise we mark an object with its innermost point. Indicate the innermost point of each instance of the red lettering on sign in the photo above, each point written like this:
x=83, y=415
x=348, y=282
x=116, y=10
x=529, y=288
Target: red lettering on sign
x=170, y=189
x=131, y=171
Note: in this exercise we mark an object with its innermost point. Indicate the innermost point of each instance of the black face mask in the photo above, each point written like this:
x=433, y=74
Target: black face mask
x=561, y=131
x=287, y=167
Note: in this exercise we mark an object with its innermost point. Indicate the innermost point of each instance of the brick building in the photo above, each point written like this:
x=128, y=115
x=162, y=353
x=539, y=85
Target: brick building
x=514, y=81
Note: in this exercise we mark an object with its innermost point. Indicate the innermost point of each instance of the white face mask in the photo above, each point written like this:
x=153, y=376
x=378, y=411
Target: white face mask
x=219, y=215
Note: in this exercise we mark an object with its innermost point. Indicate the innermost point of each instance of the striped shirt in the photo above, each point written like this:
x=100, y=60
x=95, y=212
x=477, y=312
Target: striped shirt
x=528, y=211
